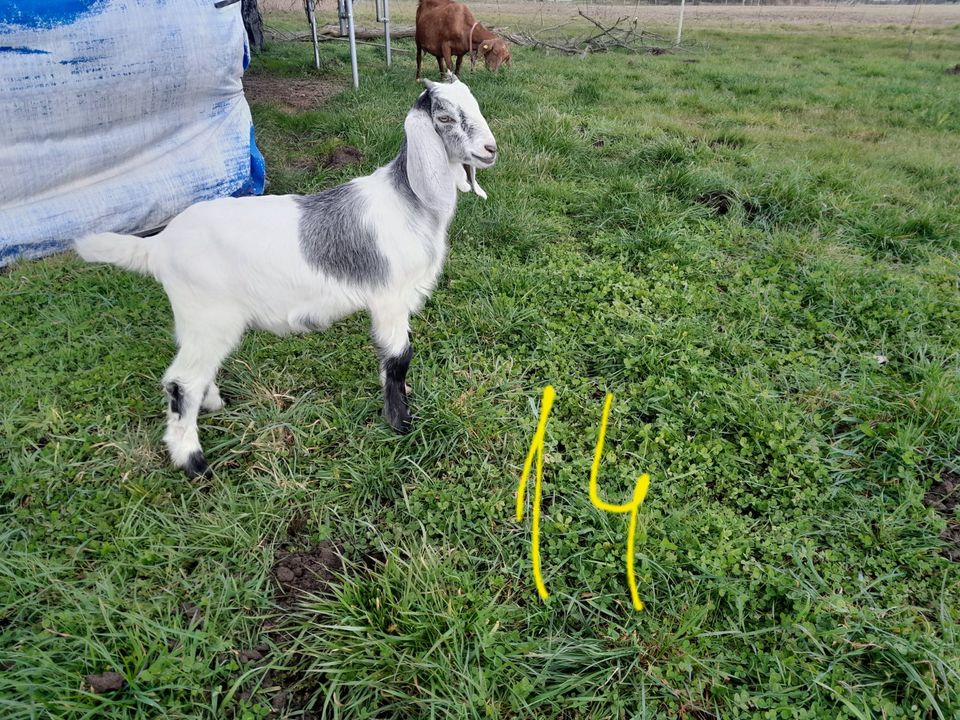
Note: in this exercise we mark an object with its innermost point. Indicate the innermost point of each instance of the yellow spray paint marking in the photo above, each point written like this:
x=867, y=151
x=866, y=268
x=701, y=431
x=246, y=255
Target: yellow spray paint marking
x=632, y=507
x=536, y=450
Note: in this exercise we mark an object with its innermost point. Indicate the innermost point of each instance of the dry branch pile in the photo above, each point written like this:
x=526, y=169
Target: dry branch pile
x=622, y=35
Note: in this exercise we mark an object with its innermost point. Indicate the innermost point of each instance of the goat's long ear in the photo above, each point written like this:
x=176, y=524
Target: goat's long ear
x=428, y=169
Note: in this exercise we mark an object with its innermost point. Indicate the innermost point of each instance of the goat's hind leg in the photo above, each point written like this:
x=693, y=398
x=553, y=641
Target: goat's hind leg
x=211, y=402
x=187, y=380
x=183, y=442
x=391, y=331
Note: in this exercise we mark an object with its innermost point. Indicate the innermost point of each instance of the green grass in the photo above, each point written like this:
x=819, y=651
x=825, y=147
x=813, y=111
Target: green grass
x=789, y=566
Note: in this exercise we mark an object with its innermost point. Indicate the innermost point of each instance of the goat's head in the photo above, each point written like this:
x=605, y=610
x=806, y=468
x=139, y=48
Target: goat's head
x=495, y=53
x=457, y=120
x=447, y=140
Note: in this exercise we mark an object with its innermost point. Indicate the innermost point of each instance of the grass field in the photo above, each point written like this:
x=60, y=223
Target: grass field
x=754, y=245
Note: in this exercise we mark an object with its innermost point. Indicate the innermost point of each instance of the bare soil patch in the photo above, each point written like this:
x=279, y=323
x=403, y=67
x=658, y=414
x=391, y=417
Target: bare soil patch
x=309, y=571
x=943, y=497
x=298, y=94
x=719, y=201
x=106, y=682
x=297, y=572
x=343, y=155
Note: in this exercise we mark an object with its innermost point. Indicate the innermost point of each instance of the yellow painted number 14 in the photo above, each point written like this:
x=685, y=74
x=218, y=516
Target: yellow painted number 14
x=632, y=508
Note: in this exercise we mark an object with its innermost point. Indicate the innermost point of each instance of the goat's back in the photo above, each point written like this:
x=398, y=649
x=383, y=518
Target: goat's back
x=446, y=21
x=229, y=243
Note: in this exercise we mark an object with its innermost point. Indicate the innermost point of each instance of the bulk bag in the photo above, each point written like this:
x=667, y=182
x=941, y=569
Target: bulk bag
x=115, y=115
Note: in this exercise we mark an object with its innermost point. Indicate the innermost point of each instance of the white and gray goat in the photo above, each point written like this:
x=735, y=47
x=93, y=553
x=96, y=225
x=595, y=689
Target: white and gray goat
x=292, y=263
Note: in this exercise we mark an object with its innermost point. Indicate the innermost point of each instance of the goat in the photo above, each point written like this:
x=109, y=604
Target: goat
x=446, y=29
x=292, y=263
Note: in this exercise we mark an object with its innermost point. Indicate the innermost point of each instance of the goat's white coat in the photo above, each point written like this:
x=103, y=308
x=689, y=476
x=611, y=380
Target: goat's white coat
x=237, y=263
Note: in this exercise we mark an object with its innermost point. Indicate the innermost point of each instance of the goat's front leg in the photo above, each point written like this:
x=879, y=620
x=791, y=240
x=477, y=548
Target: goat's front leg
x=391, y=332
x=459, y=63
x=419, y=59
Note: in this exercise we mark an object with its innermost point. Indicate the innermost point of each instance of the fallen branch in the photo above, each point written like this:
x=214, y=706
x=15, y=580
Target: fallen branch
x=623, y=34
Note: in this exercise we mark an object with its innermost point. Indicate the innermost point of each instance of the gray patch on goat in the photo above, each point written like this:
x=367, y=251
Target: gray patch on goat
x=424, y=102
x=400, y=179
x=467, y=127
x=454, y=132
x=335, y=239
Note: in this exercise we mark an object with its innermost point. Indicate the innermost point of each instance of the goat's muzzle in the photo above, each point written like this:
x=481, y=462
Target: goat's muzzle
x=484, y=161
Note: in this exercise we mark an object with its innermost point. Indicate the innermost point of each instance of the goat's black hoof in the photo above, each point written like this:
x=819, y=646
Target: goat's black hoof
x=399, y=418
x=197, y=467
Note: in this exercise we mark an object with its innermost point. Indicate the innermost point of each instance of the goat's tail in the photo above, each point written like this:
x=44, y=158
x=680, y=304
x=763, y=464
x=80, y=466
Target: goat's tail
x=127, y=251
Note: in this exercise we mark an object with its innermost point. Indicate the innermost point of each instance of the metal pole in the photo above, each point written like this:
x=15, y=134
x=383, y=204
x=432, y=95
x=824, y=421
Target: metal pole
x=353, y=44
x=680, y=23
x=386, y=28
x=313, y=29
x=342, y=16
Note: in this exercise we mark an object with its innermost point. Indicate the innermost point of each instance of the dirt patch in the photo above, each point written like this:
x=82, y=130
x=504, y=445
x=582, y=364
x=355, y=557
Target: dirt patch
x=951, y=536
x=955, y=70
x=719, y=201
x=296, y=573
x=943, y=497
x=343, y=155
x=298, y=94
x=310, y=571
x=106, y=682
x=302, y=567
x=253, y=654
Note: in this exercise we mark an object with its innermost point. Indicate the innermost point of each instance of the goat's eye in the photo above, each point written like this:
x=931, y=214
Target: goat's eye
x=445, y=119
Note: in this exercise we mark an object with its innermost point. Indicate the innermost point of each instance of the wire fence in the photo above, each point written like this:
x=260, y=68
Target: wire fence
x=289, y=15
x=290, y=19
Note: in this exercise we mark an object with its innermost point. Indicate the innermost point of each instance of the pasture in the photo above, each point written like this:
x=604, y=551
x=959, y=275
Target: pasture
x=753, y=244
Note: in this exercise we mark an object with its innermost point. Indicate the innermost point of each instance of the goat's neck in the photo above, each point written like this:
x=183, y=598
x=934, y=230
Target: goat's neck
x=480, y=33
